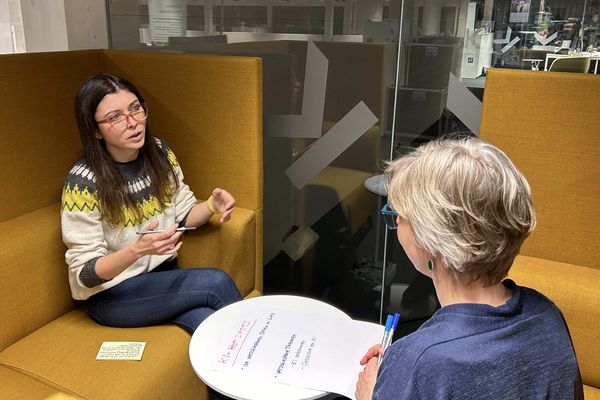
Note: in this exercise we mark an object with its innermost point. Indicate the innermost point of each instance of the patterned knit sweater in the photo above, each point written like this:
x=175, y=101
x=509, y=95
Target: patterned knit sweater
x=88, y=237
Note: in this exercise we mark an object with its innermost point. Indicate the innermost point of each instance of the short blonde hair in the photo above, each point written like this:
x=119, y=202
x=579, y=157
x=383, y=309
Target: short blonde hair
x=466, y=202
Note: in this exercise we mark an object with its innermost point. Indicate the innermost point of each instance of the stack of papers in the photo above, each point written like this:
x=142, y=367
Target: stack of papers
x=320, y=353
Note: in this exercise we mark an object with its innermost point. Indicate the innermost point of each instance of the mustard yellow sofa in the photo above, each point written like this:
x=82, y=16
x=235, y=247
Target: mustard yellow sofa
x=209, y=110
x=548, y=124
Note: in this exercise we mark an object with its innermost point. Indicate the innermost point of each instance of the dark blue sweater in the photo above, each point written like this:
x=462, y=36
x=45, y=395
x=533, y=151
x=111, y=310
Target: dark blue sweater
x=520, y=350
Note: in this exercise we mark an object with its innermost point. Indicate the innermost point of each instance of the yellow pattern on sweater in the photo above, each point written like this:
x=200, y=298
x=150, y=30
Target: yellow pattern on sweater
x=74, y=199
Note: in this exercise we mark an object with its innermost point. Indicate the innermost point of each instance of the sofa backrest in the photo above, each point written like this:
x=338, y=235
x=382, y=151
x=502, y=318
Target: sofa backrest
x=547, y=123
x=356, y=71
x=38, y=144
x=38, y=133
x=200, y=105
x=207, y=108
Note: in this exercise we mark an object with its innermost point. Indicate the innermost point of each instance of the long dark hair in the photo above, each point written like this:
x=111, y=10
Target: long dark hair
x=114, y=197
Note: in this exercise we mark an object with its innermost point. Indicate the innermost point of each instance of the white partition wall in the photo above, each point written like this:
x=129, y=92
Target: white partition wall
x=6, y=29
x=86, y=24
x=12, y=38
x=45, y=25
x=52, y=25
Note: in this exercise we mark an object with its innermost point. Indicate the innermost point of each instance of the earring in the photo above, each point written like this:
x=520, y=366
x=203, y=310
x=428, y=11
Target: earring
x=430, y=265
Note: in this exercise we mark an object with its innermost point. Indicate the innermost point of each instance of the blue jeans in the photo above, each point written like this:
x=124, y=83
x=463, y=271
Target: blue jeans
x=185, y=297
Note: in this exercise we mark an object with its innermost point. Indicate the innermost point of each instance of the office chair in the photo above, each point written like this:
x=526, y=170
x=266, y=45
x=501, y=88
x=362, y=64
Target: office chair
x=571, y=64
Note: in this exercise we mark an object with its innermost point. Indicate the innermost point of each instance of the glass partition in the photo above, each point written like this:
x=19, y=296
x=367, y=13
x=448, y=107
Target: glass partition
x=348, y=85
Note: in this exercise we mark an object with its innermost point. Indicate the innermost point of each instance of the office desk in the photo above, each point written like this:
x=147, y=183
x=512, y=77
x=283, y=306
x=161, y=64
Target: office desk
x=594, y=57
x=210, y=332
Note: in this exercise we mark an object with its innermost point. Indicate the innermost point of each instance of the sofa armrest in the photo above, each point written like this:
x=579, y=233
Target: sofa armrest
x=230, y=247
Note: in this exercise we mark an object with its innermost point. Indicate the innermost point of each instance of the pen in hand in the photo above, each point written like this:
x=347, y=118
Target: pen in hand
x=389, y=333
x=181, y=229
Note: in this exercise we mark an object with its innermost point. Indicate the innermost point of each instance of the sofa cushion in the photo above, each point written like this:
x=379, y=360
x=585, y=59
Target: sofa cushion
x=576, y=291
x=33, y=273
x=18, y=386
x=591, y=393
x=62, y=355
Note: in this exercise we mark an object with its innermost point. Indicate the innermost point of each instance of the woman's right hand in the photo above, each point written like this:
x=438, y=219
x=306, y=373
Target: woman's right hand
x=375, y=351
x=158, y=244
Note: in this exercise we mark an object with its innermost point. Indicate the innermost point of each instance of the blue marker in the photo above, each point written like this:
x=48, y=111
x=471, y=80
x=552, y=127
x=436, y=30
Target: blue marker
x=388, y=326
x=386, y=333
x=388, y=323
x=395, y=323
x=391, y=333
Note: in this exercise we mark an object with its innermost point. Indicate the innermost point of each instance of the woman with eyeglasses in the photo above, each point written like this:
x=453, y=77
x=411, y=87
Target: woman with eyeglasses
x=124, y=208
x=461, y=211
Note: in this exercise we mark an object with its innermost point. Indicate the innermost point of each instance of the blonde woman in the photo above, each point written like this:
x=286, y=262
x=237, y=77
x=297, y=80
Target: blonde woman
x=461, y=211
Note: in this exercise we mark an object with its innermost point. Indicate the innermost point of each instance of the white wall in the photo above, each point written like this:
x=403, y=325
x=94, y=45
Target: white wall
x=55, y=25
x=86, y=24
x=44, y=25
x=6, y=45
x=14, y=9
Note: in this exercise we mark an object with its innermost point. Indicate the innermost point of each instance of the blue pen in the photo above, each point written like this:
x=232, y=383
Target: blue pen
x=391, y=333
x=395, y=323
x=388, y=325
x=386, y=333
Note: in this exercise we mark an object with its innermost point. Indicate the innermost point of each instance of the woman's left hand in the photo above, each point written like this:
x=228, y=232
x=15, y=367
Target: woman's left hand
x=223, y=202
x=366, y=380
